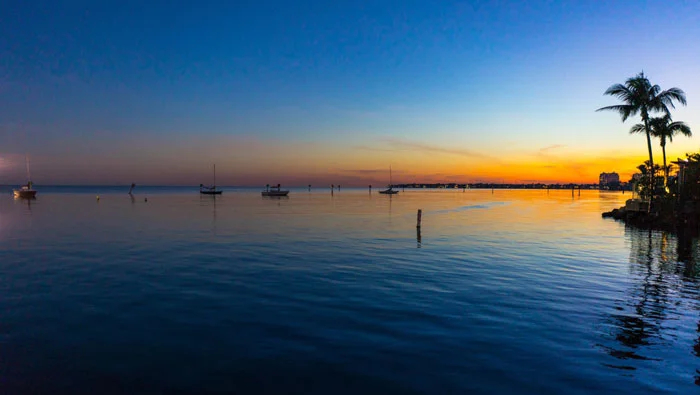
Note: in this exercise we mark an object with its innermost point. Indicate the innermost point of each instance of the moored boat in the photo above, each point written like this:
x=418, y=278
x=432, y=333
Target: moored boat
x=274, y=191
x=205, y=190
x=209, y=190
x=390, y=190
x=26, y=191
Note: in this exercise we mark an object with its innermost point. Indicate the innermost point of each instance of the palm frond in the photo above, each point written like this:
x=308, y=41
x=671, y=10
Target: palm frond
x=625, y=110
x=664, y=128
x=682, y=128
x=668, y=96
x=654, y=90
x=679, y=127
x=620, y=91
x=638, y=128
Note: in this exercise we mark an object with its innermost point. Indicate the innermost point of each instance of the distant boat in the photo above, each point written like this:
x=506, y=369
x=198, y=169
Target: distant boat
x=390, y=190
x=274, y=191
x=204, y=190
x=26, y=191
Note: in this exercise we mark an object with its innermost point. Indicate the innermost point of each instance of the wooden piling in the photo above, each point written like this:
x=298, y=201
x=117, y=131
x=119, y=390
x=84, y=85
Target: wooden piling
x=418, y=221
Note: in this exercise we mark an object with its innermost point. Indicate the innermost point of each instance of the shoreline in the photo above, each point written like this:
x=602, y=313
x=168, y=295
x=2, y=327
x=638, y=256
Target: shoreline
x=675, y=219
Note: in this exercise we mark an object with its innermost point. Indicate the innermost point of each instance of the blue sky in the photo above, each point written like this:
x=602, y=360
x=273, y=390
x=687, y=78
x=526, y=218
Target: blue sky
x=126, y=83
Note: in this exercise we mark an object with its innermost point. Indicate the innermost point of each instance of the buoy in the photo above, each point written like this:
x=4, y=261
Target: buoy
x=98, y=197
x=145, y=199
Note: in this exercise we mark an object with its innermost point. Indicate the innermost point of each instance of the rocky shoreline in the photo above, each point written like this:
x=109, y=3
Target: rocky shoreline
x=670, y=219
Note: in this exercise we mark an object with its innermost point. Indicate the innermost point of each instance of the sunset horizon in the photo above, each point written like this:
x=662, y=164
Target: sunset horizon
x=229, y=174
x=350, y=197
x=326, y=95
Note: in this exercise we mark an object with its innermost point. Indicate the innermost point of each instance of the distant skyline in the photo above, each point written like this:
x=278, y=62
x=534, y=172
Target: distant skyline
x=316, y=92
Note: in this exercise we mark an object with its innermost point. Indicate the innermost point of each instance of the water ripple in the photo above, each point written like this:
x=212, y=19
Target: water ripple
x=510, y=292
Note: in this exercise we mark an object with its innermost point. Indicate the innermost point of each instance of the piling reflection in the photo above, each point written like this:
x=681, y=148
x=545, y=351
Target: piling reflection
x=663, y=268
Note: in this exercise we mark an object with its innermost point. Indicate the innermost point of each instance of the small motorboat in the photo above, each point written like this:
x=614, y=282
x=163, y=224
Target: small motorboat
x=274, y=191
x=204, y=190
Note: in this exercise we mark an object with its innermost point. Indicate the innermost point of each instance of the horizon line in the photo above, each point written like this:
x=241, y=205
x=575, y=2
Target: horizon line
x=312, y=185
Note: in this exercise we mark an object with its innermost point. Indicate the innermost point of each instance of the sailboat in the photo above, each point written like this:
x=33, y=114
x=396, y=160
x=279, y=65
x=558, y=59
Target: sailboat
x=204, y=190
x=390, y=190
x=26, y=191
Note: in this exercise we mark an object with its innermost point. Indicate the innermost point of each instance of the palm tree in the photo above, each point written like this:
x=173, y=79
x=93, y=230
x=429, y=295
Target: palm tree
x=641, y=97
x=663, y=128
x=641, y=180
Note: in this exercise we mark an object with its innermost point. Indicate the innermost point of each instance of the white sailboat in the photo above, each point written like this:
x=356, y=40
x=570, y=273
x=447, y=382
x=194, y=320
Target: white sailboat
x=390, y=190
x=26, y=191
x=204, y=190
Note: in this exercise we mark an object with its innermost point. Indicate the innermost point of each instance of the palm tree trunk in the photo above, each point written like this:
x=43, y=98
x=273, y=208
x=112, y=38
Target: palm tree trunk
x=663, y=149
x=651, y=159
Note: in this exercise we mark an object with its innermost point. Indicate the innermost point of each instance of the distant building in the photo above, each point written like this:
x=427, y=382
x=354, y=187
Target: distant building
x=607, y=180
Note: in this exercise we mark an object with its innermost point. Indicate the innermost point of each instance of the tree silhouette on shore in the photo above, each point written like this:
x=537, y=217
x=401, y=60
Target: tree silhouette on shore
x=665, y=129
x=639, y=96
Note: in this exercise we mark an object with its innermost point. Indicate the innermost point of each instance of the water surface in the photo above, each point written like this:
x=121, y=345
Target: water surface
x=500, y=292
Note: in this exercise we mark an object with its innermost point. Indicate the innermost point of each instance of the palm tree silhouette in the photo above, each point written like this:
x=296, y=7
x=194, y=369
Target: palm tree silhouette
x=663, y=128
x=641, y=97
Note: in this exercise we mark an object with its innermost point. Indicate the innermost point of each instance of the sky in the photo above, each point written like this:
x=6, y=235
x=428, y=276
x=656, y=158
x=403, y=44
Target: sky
x=334, y=92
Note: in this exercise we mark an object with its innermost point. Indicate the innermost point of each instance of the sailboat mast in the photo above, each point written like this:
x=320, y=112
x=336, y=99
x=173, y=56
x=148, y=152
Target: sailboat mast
x=29, y=174
x=391, y=183
x=215, y=174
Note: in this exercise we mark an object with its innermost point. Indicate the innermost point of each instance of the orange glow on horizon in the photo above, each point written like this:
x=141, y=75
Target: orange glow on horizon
x=253, y=162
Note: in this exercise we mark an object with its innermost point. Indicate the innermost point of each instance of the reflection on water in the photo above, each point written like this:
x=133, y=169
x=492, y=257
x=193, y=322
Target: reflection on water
x=497, y=292
x=660, y=303
x=25, y=201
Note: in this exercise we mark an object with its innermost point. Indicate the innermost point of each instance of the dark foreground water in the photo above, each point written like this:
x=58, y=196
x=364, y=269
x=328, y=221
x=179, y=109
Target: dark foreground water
x=510, y=292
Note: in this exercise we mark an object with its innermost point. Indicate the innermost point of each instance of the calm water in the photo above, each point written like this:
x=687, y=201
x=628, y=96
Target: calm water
x=510, y=292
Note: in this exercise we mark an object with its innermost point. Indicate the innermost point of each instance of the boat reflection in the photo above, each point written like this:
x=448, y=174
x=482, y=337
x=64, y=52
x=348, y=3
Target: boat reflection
x=25, y=200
